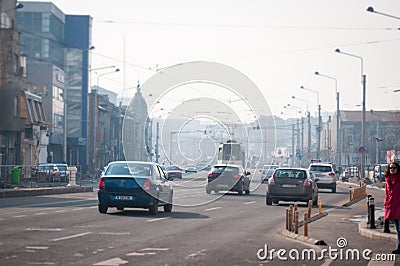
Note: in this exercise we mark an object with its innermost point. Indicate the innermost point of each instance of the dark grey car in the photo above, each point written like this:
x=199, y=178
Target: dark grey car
x=291, y=184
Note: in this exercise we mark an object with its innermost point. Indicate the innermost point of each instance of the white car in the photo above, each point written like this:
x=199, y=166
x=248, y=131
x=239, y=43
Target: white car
x=325, y=174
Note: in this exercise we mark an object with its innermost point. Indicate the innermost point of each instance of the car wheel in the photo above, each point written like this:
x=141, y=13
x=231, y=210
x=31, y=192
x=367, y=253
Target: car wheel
x=208, y=190
x=168, y=207
x=334, y=189
x=275, y=202
x=120, y=208
x=154, y=208
x=268, y=200
x=315, y=202
x=103, y=208
x=247, y=191
x=240, y=189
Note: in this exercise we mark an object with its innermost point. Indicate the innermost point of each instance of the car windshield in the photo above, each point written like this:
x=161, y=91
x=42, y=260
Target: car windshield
x=221, y=169
x=320, y=168
x=173, y=168
x=134, y=169
x=290, y=173
x=62, y=167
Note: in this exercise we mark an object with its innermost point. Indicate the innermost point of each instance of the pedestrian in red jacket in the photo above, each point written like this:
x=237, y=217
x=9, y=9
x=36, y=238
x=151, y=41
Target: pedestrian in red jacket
x=392, y=199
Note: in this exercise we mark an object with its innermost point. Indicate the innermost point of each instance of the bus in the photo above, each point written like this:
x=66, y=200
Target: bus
x=231, y=153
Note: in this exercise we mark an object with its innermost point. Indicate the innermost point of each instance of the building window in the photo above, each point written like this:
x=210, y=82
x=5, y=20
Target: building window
x=16, y=106
x=5, y=21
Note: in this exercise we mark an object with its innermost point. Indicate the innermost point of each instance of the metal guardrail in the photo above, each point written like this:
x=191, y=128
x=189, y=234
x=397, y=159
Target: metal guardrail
x=28, y=176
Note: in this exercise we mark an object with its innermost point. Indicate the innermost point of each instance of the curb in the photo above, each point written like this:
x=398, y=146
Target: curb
x=26, y=192
x=303, y=238
x=374, y=234
x=349, y=203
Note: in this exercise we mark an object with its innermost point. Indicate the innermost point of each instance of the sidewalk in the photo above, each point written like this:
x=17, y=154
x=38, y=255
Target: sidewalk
x=348, y=222
x=26, y=192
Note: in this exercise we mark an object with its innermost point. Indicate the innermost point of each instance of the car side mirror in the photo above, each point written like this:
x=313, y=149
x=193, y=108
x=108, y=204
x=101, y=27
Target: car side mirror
x=247, y=173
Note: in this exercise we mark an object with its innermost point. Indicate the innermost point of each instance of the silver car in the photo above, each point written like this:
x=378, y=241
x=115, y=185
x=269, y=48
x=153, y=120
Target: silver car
x=325, y=174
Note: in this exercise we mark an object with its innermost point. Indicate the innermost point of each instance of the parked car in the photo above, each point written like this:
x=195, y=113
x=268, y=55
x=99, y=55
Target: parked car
x=191, y=169
x=379, y=170
x=325, y=174
x=349, y=172
x=292, y=184
x=46, y=172
x=267, y=172
x=64, y=174
x=134, y=184
x=174, y=171
x=228, y=177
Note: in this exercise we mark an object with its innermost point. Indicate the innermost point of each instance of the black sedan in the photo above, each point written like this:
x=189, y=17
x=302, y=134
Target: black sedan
x=292, y=184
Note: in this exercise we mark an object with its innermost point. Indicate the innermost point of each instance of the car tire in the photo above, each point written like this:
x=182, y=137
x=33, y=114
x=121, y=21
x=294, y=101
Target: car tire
x=334, y=189
x=103, y=208
x=268, y=200
x=240, y=189
x=247, y=191
x=315, y=202
x=153, y=210
x=208, y=190
x=120, y=208
x=275, y=202
x=168, y=207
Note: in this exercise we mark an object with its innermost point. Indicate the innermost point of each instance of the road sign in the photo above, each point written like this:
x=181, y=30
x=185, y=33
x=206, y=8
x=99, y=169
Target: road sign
x=361, y=150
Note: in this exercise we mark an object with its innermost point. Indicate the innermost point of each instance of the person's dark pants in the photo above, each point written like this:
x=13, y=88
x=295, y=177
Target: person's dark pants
x=386, y=226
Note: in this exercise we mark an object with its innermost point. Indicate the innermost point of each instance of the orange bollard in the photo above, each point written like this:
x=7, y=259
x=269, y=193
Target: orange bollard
x=290, y=218
x=305, y=224
x=309, y=208
x=296, y=222
x=287, y=218
x=319, y=205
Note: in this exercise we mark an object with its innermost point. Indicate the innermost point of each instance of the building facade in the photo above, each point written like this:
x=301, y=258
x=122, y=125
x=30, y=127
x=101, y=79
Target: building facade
x=56, y=48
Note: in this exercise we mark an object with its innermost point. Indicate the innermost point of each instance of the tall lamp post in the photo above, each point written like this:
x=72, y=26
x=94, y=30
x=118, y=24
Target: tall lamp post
x=372, y=10
x=338, y=159
x=363, y=82
x=319, y=120
x=95, y=104
x=308, y=127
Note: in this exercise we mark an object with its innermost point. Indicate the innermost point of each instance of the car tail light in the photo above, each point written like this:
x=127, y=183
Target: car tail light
x=237, y=176
x=209, y=174
x=331, y=174
x=102, y=185
x=306, y=183
x=146, y=185
x=271, y=181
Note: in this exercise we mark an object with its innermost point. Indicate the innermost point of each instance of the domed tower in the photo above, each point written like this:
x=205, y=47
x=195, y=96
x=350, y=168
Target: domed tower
x=136, y=126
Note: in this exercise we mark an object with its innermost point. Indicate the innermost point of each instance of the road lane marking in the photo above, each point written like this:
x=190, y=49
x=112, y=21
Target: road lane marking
x=19, y=216
x=40, y=213
x=37, y=248
x=250, y=202
x=112, y=262
x=212, y=209
x=141, y=254
x=154, y=249
x=61, y=211
x=41, y=263
x=45, y=229
x=196, y=254
x=115, y=234
x=69, y=237
x=157, y=219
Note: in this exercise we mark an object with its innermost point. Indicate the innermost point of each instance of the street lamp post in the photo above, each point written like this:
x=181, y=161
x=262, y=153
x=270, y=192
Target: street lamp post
x=338, y=159
x=18, y=6
x=95, y=104
x=319, y=121
x=308, y=127
x=363, y=82
x=372, y=10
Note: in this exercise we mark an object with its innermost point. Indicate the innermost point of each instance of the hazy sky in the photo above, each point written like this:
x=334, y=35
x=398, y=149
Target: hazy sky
x=277, y=44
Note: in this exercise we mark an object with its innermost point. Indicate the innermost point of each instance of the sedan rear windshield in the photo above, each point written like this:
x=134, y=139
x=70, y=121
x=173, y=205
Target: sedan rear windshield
x=295, y=174
x=129, y=169
x=221, y=169
x=321, y=168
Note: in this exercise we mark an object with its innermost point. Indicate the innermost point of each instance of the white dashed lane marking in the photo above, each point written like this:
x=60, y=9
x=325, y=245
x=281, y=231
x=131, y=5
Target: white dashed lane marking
x=69, y=237
x=212, y=209
x=157, y=219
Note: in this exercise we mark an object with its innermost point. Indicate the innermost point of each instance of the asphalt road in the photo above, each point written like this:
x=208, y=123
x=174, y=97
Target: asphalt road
x=202, y=229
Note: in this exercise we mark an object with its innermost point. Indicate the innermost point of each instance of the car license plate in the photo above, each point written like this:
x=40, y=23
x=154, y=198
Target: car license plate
x=123, y=197
x=288, y=185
